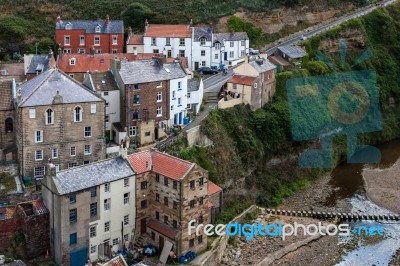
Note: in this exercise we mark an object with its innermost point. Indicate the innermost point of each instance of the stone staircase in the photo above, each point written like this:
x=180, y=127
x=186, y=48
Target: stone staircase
x=142, y=240
x=212, y=97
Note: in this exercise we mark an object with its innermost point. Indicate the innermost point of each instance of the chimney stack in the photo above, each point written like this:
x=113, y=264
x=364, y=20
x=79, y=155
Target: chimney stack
x=146, y=25
x=191, y=23
x=129, y=31
x=57, y=98
x=58, y=20
x=107, y=19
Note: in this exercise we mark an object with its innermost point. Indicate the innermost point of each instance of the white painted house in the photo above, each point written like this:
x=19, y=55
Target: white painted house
x=178, y=100
x=202, y=44
x=229, y=48
x=194, y=95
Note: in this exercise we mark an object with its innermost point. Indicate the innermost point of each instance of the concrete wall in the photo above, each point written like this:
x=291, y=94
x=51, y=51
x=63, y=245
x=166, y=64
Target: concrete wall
x=194, y=136
x=113, y=108
x=222, y=104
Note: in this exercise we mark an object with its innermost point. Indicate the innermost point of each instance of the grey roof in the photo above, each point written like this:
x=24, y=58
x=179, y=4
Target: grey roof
x=38, y=63
x=90, y=175
x=41, y=90
x=115, y=26
x=292, y=51
x=262, y=65
x=104, y=81
x=193, y=84
x=202, y=32
x=230, y=36
x=145, y=71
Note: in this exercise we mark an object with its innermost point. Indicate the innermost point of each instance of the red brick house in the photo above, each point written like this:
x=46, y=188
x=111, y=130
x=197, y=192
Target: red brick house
x=79, y=36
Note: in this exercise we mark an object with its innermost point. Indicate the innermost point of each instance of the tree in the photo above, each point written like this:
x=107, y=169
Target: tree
x=135, y=15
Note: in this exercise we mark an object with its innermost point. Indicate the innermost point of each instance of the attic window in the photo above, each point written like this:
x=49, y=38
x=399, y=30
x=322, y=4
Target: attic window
x=202, y=41
x=97, y=29
x=101, y=61
x=72, y=61
x=68, y=26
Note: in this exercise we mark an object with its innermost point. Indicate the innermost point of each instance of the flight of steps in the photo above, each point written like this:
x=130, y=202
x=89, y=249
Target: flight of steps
x=212, y=97
x=142, y=240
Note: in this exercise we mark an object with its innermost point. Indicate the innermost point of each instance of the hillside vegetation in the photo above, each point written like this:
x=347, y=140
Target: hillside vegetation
x=23, y=24
x=246, y=140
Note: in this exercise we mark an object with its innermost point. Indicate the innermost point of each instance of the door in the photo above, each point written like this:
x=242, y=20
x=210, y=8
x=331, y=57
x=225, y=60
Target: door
x=196, y=65
x=175, y=119
x=156, y=133
x=78, y=257
x=225, y=56
x=143, y=226
x=180, y=118
x=160, y=243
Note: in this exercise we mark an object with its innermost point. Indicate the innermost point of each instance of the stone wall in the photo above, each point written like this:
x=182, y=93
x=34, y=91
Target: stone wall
x=9, y=168
x=194, y=136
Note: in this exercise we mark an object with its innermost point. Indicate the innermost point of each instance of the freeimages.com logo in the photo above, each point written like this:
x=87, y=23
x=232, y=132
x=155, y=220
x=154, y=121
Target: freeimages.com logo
x=344, y=103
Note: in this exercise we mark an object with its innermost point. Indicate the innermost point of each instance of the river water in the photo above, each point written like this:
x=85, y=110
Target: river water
x=348, y=184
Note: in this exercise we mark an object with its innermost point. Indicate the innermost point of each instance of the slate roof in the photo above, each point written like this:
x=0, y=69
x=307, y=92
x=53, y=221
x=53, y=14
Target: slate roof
x=104, y=81
x=165, y=30
x=41, y=90
x=292, y=51
x=230, y=36
x=115, y=26
x=149, y=71
x=262, y=65
x=193, y=85
x=162, y=228
x=94, y=174
x=38, y=63
x=202, y=32
x=160, y=163
x=243, y=80
x=213, y=188
x=6, y=99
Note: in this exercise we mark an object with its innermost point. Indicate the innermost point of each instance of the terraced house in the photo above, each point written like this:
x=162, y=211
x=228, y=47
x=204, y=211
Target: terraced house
x=60, y=120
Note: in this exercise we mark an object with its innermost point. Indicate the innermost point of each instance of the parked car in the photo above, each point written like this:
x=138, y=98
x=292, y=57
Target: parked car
x=302, y=37
x=253, y=51
x=206, y=70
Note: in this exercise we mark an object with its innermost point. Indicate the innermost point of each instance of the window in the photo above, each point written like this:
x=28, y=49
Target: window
x=71, y=165
x=82, y=40
x=157, y=197
x=175, y=184
x=179, y=85
x=200, y=219
x=92, y=249
x=107, y=187
x=88, y=132
x=115, y=39
x=67, y=51
x=126, y=237
x=72, y=198
x=173, y=95
x=191, y=243
x=159, y=84
x=243, y=43
x=39, y=171
x=201, y=201
x=175, y=224
x=71, y=75
x=143, y=204
x=147, y=134
x=32, y=113
x=77, y=114
x=126, y=182
x=156, y=51
x=67, y=40
x=202, y=41
x=54, y=153
x=158, y=178
x=97, y=29
x=255, y=85
x=159, y=111
x=39, y=155
x=242, y=53
x=175, y=205
x=72, y=61
x=232, y=44
x=9, y=125
x=38, y=136
x=81, y=51
x=92, y=231
x=136, y=86
x=231, y=54
x=73, y=151
x=192, y=184
x=106, y=118
x=203, y=52
x=216, y=56
x=93, y=192
x=93, y=108
x=136, y=99
x=234, y=86
x=172, y=107
x=188, y=95
x=165, y=219
x=217, y=45
x=73, y=216
x=168, y=41
x=115, y=241
x=159, y=97
x=126, y=198
x=166, y=201
x=181, y=42
x=181, y=53
x=72, y=239
x=200, y=239
x=191, y=204
x=106, y=226
x=126, y=219
x=132, y=131
x=153, y=41
x=165, y=181
x=143, y=184
x=96, y=40
x=157, y=215
x=203, y=63
x=201, y=181
x=93, y=209
x=179, y=102
x=57, y=168
x=107, y=204
x=85, y=162
x=88, y=149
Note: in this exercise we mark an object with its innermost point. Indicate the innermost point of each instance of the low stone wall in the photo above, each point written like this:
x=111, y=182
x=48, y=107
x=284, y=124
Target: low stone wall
x=194, y=136
x=9, y=168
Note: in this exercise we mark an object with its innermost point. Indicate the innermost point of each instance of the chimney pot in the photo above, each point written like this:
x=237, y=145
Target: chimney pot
x=58, y=19
x=107, y=19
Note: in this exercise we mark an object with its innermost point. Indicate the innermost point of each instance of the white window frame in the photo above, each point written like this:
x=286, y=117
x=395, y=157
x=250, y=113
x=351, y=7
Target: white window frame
x=114, y=39
x=82, y=40
x=54, y=153
x=89, y=131
x=159, y=84
x=126, y=199
x=216, y=56
x=232, y=44
x=72, y=61
x=39, y=171
x=202, y=41
x=107, y=226
x=126, y=182
x=182, y=41
x=49, y=120
x=96, y=40
x=107, y=187
x=203, y=53
x=72, y=151
x=167, y=41
x=159, y=111
x=72, y=165
x=39, y=155
x=39, y=137
x=93, y=108
x=153, y=41
x=231, y=54
x=159, y=97
x=97, y=29
x=132, y=131
x=243, y=43
x=87, y=149
x=67, y=40
x=107, y=204
x=92, y=231
x=32, y=113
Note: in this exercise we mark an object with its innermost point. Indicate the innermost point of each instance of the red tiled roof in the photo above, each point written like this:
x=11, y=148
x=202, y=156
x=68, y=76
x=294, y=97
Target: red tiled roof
x=243, y=80
x=160, y=163
x=210, y=204
x=276, y=59
x=8, y=212
x=38, y=206
x=135, y=39
x=162, y=229
x=213, y=188
x=161, y=30
x=117, y=261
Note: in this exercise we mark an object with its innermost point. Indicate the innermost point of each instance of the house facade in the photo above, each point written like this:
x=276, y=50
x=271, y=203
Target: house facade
x=229, y=48
x=134, y=43
x=60, y=120
x=92, y=208
x=194, y=95
x=79, y=36
x=170, y=192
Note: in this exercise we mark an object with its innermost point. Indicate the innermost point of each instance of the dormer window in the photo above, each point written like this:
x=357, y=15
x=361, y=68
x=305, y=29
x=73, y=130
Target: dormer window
x=68, y=26
x=72, y=61
x=97, y=29
x=202, y=41
x=217, y=45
